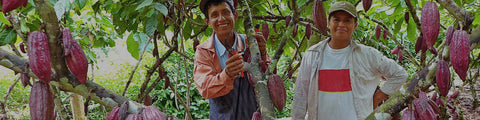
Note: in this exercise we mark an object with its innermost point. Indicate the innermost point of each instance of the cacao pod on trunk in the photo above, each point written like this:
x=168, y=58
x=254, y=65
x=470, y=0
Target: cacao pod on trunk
x=263, y=66
x=134, y=117
x=265, y=31
x=256, y=116
x=453, y=96
x=430, y=23
x=460, y=53
x=148, y=100
x=423, y=108
x=39, y=55
x=407, y=17
x=113, y=115
x=420, y=45
x=443, y=77
x=9, y=5
x=308, y=31
x=385, y=34
x=41, y=102
x=449, y=35
x=74, y=56
x=367, y=4
x=319, y=16
x=378, y=32
x=152, y=113
x=408, y=114
x=277, y=91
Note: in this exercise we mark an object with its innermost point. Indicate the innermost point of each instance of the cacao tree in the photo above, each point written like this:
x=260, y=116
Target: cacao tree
x=162, y=35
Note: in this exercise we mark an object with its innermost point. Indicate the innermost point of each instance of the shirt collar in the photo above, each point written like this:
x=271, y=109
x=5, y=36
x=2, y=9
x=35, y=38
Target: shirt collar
x=220, y=48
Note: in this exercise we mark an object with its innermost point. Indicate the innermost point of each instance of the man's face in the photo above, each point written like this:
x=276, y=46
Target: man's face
x=342, y=25
x=221, y=18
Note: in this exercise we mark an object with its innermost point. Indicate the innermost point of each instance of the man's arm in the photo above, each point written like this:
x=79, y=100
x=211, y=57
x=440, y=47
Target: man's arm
x=302, y=85
x=394, y=74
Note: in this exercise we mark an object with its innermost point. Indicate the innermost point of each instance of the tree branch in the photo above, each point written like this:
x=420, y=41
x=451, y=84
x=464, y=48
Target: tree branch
x=457, y=12
x=413, y=14
x=136, y=66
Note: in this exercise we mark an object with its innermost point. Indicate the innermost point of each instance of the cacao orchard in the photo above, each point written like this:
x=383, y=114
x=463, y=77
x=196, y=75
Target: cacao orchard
x=39, y=55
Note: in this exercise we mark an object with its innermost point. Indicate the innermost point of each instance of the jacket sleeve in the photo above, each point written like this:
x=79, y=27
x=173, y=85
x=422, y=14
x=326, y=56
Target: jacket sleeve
x=209, y=83
x=301, y=88
x=394, y=74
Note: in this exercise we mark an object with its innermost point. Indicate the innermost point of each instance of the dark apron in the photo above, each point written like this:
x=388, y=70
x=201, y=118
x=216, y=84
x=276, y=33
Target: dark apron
x=238, y=104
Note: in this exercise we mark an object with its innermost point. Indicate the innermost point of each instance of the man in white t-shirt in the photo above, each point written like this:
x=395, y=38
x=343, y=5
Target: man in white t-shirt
x=337, y=78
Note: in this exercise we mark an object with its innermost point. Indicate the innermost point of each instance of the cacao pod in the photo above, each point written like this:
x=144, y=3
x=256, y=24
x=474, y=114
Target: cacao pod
x=134, y=117
x=434, y=106
x=319, y=16
x=408, y=114
x=25, y=80
x=430, y=23
x=41, y=102
x=39, y=55
x=400, y=55
x=246, y=56
x=123, y=111
x=440, y=102
x=196, y=42
x=395, y=50
x=378, y=32
x=460, y=53
x=308, y=31
x=449, y=35
x=367, y=4
x=74, y=56
x=152, y=113
x=22, y=48
x=9, y=5
x=453, y=95
x=167, y=82
x=265, y=31
x=277, y=91
x=385, y=33
x=407, y=17
x=256, y=116
x=287, y=20
x=423, y=108
x=148, y=100
x=113, y=115
x=263, y=66
x=295, y=29
x=419, y=44
x=443, y=77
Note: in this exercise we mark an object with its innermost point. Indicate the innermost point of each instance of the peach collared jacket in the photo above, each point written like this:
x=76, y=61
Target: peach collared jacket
x=209, y=77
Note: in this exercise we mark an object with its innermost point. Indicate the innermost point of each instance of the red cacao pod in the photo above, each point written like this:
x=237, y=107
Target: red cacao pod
x=265, y=31
x=22, y=48
x=74, y=56
x=308, y=31
x=378, y=32
x=152, y=113
x=9, y=5
x=277, y=91
x=440, y=102
x=148, y=100
x=167, y=82
x=319, y=16
x=367, y=4
x=25, y=80
x=449, y=35
x=408, y=114
x=423, y=108
x=295, y=30
x=39, y=55
x=430, y=23
x=395, y=50
x=41, y=102
x=460, y=53
x=113, y=115
x=434, y=106
x=287, y=20
x=134, y=117
x=256, y=116
x=407, y=17
x=196, y=42
x=453, y=95
x=420, y=45
x=400, y=55
x=263, y=66
x=385, y=33
x=443, y=77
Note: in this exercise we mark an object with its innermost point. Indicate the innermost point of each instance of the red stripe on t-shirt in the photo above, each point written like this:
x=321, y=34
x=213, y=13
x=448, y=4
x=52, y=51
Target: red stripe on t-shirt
x=334, y=80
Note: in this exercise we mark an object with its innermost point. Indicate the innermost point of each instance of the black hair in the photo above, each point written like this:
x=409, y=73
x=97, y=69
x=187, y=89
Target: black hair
x=216, y=2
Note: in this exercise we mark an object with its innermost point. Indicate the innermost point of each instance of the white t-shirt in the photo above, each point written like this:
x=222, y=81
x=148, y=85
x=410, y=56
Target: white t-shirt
x=335, y=99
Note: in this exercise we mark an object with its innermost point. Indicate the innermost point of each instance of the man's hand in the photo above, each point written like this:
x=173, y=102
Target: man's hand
x=261, y=44
x=378, y=97
x=234, y=65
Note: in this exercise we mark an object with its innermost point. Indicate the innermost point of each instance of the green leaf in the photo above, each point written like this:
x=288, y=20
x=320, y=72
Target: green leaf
x=61, y=7
x=151, y=24
x=161, y=8
x=4, y=20
x=132, y=46
x=411, y=30
x=477, y=19
x=142, y=39
x=80, y=3
x=144, y=3
x=398, y=26
x=9, y=37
